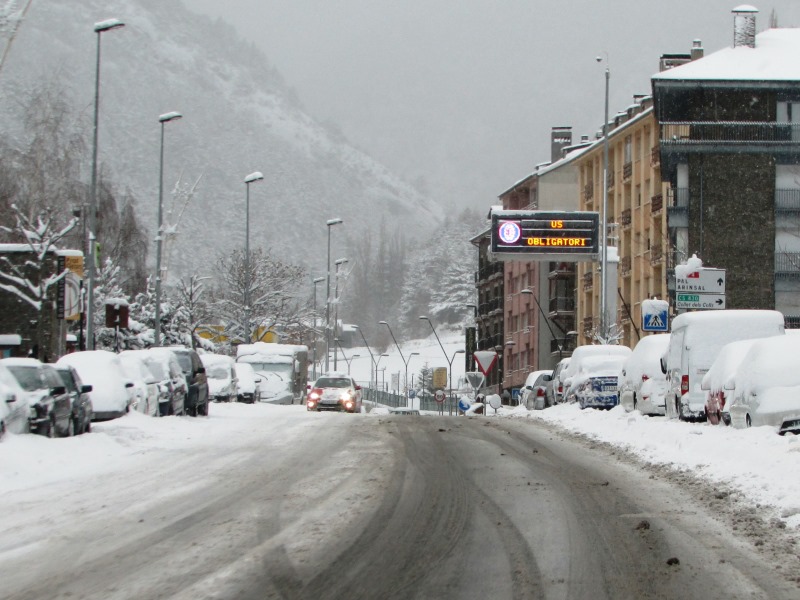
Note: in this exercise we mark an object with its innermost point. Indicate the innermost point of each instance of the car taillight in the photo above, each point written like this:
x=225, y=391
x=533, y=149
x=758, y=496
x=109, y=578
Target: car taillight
x=539, y=392
x=684, y=384
x=560, y=389
x=644, y=377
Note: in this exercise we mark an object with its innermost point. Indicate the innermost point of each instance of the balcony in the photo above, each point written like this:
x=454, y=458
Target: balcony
x=588, y=191
x=787, y=201
x=627, y=171
x=588, y=281
x=610, y=176
x=656, y=204
x=561, y=270
x=562, y=305
x=656, y=252
x=625, y=218
x=787, y=265
x=655, y=156
x=625, y=265
x=733, y=135
x=589, y=324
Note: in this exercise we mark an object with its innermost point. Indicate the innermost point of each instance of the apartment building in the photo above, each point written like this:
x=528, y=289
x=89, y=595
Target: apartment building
x=729, y=133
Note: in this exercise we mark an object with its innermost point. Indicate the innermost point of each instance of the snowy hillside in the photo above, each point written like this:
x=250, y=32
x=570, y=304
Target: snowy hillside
x=239, y=117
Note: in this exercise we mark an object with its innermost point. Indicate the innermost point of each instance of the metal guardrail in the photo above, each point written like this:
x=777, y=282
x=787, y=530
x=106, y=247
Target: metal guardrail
x=427, y=402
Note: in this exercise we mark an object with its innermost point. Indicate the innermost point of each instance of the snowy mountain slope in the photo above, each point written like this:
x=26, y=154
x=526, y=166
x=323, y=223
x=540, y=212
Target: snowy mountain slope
x=239, y=117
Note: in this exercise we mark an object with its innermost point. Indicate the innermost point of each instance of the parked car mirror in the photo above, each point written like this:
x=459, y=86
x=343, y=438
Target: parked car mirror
x=201, y=370
x=11, y=398
x=85, y=389
x=129, y=384
x=58, y=390
x=663, y=365
x=528, y=387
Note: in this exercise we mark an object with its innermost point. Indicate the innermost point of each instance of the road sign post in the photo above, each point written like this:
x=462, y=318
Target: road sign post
x=699, y=288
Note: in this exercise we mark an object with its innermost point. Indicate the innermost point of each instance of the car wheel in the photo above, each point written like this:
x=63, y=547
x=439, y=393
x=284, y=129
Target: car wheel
x=50, y=429
x=70, y=430
x=203, y=409
x=747, y=421
x=87, y=428
x=2, y=430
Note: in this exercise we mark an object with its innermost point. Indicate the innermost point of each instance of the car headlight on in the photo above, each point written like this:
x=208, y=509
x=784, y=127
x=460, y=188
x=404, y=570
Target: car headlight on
x=313, y=396
x=347, y=396
x=311, y=403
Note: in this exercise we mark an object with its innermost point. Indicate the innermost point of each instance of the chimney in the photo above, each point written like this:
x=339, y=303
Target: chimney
x=697, y=50
x=744, y=26
x=560, y=138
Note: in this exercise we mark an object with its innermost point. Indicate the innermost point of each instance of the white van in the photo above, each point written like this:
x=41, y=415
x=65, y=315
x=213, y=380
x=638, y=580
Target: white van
x=696, y=340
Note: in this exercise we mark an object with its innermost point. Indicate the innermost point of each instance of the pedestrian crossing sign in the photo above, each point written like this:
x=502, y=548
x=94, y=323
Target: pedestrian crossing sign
x=655, y=319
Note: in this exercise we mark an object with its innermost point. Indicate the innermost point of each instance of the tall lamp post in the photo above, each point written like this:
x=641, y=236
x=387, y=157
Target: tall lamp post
x=163, y=119
x=405, y=361
x=604, y=221
x=99, y=29
x=314, y=329
x=377, y=362
x=330, y=223
x=559, y=341
x=255, y=176
x=447, y=358
x=339, y=262
x=371, y=356
x=348, y=361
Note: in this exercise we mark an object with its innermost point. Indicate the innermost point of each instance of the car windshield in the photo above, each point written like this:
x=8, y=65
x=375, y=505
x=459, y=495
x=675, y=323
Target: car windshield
x=282, y=369
x=66, y=377
x=333, y=382
x=218, y=372
x=28, y=377
x=158, y=370
x=185, y=361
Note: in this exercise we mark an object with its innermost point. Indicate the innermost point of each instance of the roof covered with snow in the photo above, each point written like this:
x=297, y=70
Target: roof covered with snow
x=775, y=58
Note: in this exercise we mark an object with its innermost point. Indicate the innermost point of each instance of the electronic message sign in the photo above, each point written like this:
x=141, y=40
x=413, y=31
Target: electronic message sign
x=545, y=235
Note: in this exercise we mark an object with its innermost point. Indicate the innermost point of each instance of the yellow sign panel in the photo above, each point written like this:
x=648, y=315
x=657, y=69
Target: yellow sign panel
x=440, y=377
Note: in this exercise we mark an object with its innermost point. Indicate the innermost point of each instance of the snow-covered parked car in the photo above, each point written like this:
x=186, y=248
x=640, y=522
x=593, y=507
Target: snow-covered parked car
x=50, y=406
x=719, y=384
x=144, y=392
x=247, y=388
x=103, y=371
x=595, y=385
x=222, y=380
x=79, y=397
x=534, y=390
x=577, y=366
x=168, y=375
x=642, y=384
x=14, y=407
x=696, y=340
x=768, y=385
x=554, y=391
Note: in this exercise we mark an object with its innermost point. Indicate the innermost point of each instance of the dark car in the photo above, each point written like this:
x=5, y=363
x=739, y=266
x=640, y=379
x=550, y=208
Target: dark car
x=79, y=396
x=196, y=401
x=51, y=407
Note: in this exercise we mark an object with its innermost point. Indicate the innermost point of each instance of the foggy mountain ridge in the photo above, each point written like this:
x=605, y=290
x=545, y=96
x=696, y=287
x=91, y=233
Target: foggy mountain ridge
x=239, y=117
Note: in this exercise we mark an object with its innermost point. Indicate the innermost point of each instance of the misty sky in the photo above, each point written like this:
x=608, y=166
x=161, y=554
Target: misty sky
x=461, y=94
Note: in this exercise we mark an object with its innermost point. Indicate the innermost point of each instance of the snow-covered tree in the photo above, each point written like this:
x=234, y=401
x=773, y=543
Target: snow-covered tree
x=30, y=273
x=191, y=294
x=276, y=290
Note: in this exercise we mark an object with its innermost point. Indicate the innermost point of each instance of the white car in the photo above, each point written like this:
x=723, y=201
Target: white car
x=642, y=384
x=103, y=371
x=144, y=392
x=767, y=385
x=719, y=384
x=247, y=386
x=577, y=366
x=533, y=392
x=335, y=391
x=222, y=379
x=14, y=407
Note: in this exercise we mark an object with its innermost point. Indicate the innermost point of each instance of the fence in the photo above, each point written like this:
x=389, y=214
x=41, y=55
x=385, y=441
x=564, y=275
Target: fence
x=392, y=400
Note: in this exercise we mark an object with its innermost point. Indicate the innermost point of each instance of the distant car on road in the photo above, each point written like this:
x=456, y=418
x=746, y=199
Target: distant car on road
x=335, y=391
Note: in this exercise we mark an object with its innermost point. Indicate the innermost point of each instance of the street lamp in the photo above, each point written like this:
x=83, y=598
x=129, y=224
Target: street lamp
x=255, y=176
x=448, y=359
x=559, y=341
x=339, y=262
x=336, y=340
x=330, y=223
x=405, y=362
x=163, y=119
x=314, y=329
x=604, y=223
x=377, y=362
x=99, y=28
x=372, y=358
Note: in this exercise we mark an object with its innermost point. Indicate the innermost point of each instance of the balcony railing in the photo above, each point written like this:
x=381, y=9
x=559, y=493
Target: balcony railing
x=562, y=346
x=729, y=133
x=610, y=177
x=486, y=272
x=627, y=171
x=787, y=263
x=656, y=252
x=625, y=218
x=562, y=305
x=678, y=209
x=588, y=191
x=787, y=200
x=588, y=281
x=625, y=265
x=655, y=156
x=656, y=203
x=589, y=323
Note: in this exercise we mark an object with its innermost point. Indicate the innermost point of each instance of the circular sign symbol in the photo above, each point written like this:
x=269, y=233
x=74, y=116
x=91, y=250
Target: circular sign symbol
x=509, y=232
x=439, y=396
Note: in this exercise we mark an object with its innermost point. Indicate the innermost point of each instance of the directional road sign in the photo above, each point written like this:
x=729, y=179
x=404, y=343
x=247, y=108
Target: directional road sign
x=700, y=281
x=699, y=301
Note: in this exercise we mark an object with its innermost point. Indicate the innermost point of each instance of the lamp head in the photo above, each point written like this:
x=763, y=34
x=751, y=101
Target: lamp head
x=319, y=279
x=330, y=222
x=340, y=261
x=256, y=176
x=424, y=319
x=170, y=116
x=108, y=25
x=382, y=323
